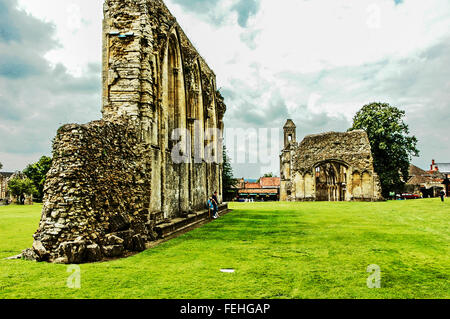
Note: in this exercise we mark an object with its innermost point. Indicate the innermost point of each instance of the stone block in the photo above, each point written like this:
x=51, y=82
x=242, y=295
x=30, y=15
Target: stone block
x=40, y=250
x=93, y=253
x=73, y=251
x=138, y=243
x=113, y=250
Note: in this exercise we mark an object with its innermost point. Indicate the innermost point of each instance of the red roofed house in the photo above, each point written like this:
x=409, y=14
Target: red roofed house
x=267, y=189
x=429, y=183
x=444, y=169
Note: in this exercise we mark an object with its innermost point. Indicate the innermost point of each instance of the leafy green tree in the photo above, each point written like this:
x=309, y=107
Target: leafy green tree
x=19, y=187
x=1, y=165
x=228, y=181
x=392, y=146
x=37, y=172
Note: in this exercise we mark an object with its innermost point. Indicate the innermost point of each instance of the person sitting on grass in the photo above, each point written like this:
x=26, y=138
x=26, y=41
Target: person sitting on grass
x=216, y=205
x=210, y=207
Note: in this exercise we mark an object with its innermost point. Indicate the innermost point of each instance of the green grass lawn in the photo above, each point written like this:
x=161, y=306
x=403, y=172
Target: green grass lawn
x=279, y=250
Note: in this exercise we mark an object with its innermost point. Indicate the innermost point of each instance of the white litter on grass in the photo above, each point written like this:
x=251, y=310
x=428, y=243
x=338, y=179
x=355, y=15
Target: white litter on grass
x=227, y=270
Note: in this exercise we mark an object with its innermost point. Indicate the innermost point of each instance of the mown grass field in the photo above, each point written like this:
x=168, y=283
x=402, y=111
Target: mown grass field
x=279, y=250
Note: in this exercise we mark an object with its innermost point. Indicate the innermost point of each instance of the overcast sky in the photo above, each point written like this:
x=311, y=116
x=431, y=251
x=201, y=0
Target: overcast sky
x=317, y=62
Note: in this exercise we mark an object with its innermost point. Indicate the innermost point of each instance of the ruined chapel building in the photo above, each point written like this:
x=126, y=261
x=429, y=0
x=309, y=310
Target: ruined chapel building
x=114, y=184
x=4, y=192
x=327, y=167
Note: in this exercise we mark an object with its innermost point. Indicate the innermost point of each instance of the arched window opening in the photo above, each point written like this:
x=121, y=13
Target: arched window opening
x=196, y=114
x=173, y=87
x=331, y=181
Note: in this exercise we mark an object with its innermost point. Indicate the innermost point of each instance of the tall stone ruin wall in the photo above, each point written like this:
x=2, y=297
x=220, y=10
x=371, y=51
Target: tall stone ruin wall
x=153, y=77
x=113, y=180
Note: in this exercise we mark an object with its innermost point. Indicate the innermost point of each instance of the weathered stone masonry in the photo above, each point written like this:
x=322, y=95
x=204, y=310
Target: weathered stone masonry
x=328, y=167
x=157, y=79
x=113, y=181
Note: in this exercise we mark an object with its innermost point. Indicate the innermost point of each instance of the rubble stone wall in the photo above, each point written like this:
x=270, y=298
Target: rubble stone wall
x=353, y=148
x=98, y=187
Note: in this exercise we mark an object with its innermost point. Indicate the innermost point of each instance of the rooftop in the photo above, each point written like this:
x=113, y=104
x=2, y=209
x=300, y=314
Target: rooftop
x=252, y=185
x=416, y=171
x=289, y=123
x=259, y=191
x=270, y=181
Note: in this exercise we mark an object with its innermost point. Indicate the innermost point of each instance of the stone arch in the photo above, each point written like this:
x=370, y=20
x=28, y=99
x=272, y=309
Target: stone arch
x=331, y=180
x=175, y=186
x=197, y=111
x=174, y=83
x=173, y=94
x=211, y=122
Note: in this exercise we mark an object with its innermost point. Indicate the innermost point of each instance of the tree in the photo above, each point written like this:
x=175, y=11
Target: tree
x=1, y=165
x=37, y=172
x=228, y=181
x=392, y=147
x=19, y=187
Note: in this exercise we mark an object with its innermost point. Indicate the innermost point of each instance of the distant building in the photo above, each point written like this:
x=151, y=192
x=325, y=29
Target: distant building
x=333, y=166
x=6, y=197
x=427, y=183
x=266, y=189
x=443, y=168
x=4, y=178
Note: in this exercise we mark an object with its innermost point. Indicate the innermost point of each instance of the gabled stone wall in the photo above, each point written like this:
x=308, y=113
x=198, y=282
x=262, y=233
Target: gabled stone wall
x=352, y=148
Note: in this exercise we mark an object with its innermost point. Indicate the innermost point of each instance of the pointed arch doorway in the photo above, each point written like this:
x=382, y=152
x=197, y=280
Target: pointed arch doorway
x=331, y=181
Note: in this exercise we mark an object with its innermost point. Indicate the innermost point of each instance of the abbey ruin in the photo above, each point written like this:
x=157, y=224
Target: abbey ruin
x=116, y=184
x=328, y=167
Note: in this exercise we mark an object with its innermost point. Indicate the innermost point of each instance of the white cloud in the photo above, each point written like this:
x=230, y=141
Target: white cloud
x=78, y=30
x=314, y=36
x=315, y=61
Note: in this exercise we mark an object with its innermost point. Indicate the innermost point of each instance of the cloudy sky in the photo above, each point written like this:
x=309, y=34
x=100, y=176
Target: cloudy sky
x=315, y=61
